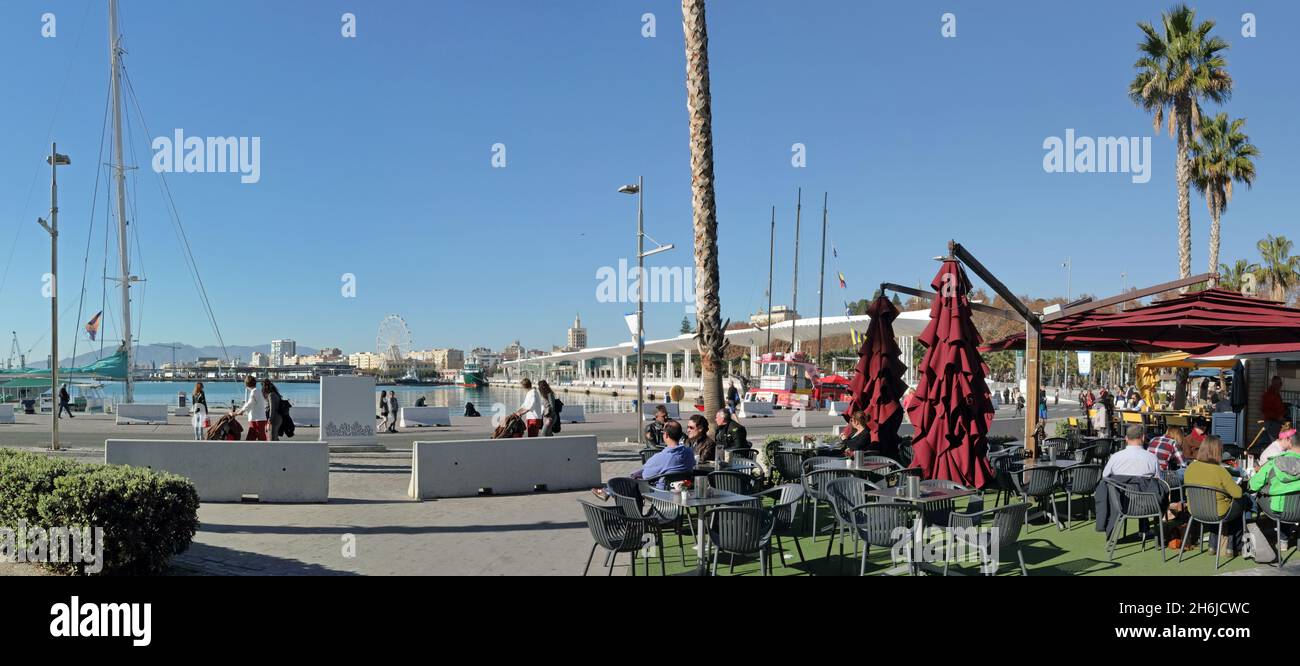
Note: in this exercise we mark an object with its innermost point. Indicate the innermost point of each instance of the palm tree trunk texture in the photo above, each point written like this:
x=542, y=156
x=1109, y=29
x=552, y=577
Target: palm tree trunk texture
x=1215, y=212
x=708, y=312
x=1184, y=175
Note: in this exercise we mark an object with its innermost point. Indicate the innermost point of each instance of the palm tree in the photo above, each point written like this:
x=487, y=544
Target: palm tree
x=1222, y=155
x=1175, y=71
x=1280, y=270
x=708, y=310
x=1235, y=277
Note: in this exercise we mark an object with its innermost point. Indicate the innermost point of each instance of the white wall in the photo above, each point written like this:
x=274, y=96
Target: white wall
x=507, y=466
x=347, y=411
x=226, y=471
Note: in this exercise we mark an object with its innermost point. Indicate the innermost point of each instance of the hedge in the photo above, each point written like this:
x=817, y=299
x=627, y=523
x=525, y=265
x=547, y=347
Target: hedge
x=147, y=517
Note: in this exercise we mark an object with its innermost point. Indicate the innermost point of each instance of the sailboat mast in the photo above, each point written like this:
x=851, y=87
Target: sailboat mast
x=794, y=303
x=115, y=59
x=821, y=280
x=771, y=255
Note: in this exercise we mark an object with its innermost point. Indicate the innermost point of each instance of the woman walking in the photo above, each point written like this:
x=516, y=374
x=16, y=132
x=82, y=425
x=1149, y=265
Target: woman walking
x=255, y=407
x=199, y=412
x=383, y=411
x=273, y=402
x=549, y=417
x=531, y=409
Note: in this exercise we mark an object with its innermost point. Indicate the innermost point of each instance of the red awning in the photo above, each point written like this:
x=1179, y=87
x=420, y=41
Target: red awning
x=952, y=408
x=1206, y=323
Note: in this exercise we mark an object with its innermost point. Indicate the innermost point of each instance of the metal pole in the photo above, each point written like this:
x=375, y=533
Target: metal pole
x=794, y=303
x=115, y=53
x=1069, y=273
x=54, y=298
x=640, y=301
x=821, y=280
x=771, y=263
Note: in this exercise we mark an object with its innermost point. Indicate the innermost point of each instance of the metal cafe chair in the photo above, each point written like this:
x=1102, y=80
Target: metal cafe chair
x=1203, y=506
x=1137, y=506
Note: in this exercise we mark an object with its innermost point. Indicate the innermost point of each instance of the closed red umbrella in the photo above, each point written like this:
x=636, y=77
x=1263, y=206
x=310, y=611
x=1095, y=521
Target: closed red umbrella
x=952, y=408
x=878, y=384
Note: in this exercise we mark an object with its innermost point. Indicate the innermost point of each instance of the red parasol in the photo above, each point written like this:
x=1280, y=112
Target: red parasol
x=951, y=409
x=878, y=385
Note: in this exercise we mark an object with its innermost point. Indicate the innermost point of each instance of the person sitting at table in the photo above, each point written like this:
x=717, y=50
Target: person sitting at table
x=654, y=433
x=1286, y=441
x=1133, y=459
x=859, y=438
x=1208, y=470
x=1280, y=474
x=697, y=438
x=1222, y=404
x=730, y=433
x=1134, y=467
x=674, y=459
x=1168, y=451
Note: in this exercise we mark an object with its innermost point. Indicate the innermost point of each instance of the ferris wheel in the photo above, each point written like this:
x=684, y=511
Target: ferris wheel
x=394, y=339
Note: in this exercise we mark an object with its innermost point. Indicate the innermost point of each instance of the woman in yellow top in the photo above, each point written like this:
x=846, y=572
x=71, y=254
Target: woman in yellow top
x=1208, y=470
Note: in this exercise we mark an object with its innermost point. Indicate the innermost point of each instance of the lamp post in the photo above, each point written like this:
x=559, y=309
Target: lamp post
x=55, y=160
x=639, y=190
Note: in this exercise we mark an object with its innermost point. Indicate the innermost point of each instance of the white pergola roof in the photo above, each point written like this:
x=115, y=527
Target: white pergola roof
x=907, y=324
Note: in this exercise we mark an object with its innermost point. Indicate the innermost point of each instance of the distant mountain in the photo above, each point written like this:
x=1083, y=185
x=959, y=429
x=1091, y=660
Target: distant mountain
x=157, y=354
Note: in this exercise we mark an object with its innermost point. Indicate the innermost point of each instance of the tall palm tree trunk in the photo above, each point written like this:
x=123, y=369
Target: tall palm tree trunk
x=1215, y=213
x=708, y=311
x=1183, y=171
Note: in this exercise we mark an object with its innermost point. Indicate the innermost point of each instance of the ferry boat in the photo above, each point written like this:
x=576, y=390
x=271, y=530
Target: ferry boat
x=471, y=376
x=787, y=380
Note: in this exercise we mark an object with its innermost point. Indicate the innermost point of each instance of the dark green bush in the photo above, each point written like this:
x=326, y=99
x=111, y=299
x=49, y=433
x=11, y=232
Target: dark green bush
x=147, y=517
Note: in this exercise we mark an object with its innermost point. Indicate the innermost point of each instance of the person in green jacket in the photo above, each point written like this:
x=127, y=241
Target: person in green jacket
x=1281, y=474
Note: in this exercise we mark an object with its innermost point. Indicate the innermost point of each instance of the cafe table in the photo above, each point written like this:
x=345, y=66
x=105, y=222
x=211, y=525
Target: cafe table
x=688, y=501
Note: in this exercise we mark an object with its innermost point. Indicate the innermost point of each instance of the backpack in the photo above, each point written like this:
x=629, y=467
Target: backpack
x=557, y=406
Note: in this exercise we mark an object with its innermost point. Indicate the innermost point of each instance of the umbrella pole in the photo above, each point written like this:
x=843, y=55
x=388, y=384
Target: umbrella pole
x=1033, y=354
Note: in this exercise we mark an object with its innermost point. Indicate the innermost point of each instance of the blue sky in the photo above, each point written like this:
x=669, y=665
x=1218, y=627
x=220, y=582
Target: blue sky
x=376, y=156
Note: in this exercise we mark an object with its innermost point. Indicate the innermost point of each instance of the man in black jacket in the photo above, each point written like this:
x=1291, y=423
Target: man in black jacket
x=730, y=434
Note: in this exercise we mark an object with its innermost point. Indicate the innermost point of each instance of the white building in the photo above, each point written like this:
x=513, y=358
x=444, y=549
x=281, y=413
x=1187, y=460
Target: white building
x=577, y=338
x=260, y=360
x=281, y=349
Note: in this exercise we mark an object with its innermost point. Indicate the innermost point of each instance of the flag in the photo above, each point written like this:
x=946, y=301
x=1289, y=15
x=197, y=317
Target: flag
x=92, y=326
x=842, y=285
x=632, y=322
x=834, y=252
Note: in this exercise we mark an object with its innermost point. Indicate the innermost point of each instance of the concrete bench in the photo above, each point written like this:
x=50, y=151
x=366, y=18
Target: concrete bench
x=838, y=408
x=227, y=471
x=141, y=414
x=573, y=414
x=750, y=409
x=7, y=414
x=649, y=408
x=305, y=417
x=463, y=468
x=419, y=417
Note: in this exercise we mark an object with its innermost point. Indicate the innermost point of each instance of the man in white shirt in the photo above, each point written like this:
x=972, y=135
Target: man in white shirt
x=531, y=409
x=1134, y=459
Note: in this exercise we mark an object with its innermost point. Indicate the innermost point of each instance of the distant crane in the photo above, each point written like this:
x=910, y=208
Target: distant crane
x=173, y=346
x=15, y=350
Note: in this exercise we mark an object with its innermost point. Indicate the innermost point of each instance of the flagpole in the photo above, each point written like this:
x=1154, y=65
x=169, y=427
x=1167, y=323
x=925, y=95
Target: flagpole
x=821, y=282
x=794, y=303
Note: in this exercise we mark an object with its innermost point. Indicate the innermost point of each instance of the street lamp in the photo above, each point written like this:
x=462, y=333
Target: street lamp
x=639, y=190
x=55, y=160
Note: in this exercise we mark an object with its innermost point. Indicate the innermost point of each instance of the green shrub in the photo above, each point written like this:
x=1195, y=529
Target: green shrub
x=147, y=517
